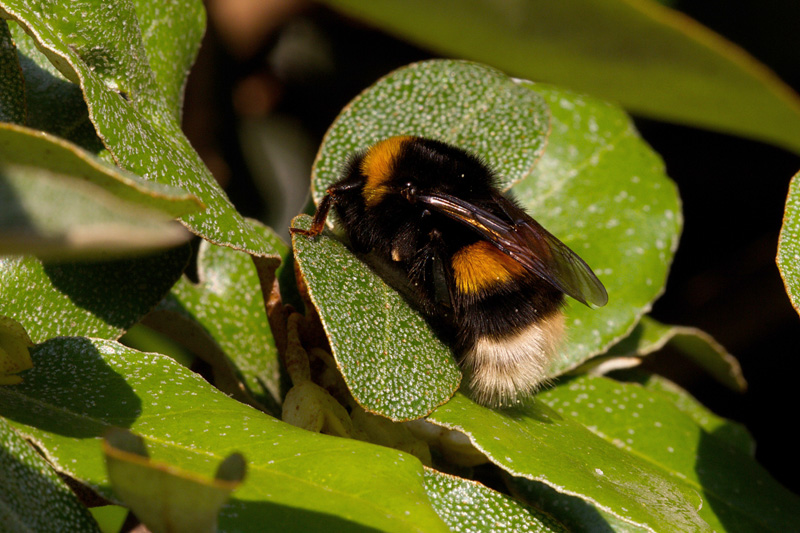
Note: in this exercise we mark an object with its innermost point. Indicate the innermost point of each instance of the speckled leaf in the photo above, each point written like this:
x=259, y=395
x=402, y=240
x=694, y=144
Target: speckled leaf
x=12, y=85
x=466, y=104
x=650, y=336
x=28, y=147
x=603, y=191
x=651, y=59
x=101, y=299
x=392, y=361
x=789, y=244
x=732, y=433
x=738, y=494
x=165, y=498
x=53, y=103
x=297, y=480
x=101, y=47
x=536, y=443
x=468, y=506
x=171, y=33
x=577, y=515
x=58, y=201
x=228, y=303
x=34, y=498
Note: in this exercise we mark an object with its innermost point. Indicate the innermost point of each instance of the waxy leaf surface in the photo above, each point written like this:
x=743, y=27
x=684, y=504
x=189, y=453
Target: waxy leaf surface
x=123, y=57
x=297, y=480
x=537, y=443
x=34, y=498
x=789, y=244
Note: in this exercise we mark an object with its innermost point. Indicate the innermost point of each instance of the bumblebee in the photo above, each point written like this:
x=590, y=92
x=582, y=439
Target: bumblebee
x=468, y=256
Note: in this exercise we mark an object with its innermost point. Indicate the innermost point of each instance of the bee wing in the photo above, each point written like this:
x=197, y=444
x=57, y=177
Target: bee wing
x=527, y=242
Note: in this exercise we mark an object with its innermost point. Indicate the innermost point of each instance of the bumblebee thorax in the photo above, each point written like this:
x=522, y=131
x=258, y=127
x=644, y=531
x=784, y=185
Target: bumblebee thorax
x=406, y=165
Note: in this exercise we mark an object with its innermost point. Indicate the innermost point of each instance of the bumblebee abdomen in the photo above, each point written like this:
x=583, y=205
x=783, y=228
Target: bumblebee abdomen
x=504, y=370
x=508, y=331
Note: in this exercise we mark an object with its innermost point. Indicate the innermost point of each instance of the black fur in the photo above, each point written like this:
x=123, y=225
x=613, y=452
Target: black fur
x=427, y=240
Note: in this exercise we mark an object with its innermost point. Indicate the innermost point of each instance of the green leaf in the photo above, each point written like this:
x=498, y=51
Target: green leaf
x=650, y=336
x=597, y=186
x=468, y=506
x=171, y=34
x=653, y=60
x=732, y=433
x=59, y=201
x=577, y=515
x=27, y=147
x=163, y=497
x=538, y=444
x=789, y=244
x=101, y=299
x=53, y=103
x=228, y=305
x=15, y=345
x=391, y=359
x=604, y=192
x=101, y=48
x=465, y=104
x=109, y=517
x=296, y=481
x=738, y=494
x=12, y=85
x=34, y=498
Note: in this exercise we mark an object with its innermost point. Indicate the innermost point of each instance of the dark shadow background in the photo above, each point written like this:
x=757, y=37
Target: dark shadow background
x=267, y=84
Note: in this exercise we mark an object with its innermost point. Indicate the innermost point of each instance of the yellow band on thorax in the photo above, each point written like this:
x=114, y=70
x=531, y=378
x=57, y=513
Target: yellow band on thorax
x=378, y=166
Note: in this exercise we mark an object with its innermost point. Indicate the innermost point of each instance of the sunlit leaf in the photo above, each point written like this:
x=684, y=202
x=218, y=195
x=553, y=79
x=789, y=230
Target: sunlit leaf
x=296, y=481
x=34, y=497
x=102, y=48
x=789, y=244
x=391, y=359
x=101, y=298
x=538, y=444
x=646, y=423
x=468, y=105
x=165, y=498
x=602, y=190
x=731, y=433
x=468, y=506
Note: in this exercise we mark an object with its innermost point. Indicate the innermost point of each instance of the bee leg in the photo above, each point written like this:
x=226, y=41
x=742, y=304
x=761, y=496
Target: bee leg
x=324, y=207
x=318, y=223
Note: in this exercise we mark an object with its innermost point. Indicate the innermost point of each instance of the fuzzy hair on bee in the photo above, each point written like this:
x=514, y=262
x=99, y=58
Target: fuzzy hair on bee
x=468, y=256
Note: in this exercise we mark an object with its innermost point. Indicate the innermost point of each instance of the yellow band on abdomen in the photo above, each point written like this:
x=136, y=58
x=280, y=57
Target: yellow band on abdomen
x=481, y=266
